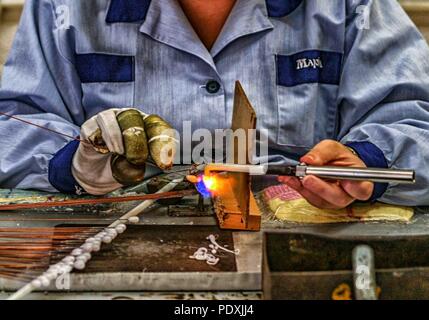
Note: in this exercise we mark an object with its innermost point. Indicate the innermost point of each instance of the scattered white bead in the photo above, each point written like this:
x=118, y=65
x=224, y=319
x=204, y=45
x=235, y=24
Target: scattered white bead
x=66, y=269
x=77, y=252
x=212, y=239
x=112, y=232
x=200, y=254
x=53, y=268
x=107, y=239
x=80, y=258
x=50, y=275
x=212, y=260
x=120, y=228
x=79, y=265
x=87, y=255
x=44, y=281
x=68, y=259
x=100, y=235
x=61, y=270
x=87, y=247
x=133, y=220
x=36, y=283
x=96, y=248
x=84, y=257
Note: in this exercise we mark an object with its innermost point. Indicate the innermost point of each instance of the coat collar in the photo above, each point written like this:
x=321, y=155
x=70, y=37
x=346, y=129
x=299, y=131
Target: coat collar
x=282, y=8
x=136, y=10
x=165, y=21
x=246, y=18
x=127, y=11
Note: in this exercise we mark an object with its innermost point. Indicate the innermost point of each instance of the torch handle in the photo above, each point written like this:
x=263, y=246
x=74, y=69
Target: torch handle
x=328, y=172
x=360, y=174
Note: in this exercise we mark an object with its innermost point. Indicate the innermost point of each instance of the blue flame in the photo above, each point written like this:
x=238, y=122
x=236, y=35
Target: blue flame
x=202, y=189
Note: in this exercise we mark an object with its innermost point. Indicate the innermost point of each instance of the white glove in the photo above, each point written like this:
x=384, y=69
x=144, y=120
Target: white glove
x=91, y=168
x=131, y=137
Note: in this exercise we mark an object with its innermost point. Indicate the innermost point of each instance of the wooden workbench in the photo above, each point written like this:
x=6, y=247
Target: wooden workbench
x=152, y=256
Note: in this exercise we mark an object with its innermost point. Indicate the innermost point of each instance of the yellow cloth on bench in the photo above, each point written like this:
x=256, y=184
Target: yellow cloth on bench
x=288, y=205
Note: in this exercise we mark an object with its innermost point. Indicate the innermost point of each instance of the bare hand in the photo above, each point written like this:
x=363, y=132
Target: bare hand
x=331, y=194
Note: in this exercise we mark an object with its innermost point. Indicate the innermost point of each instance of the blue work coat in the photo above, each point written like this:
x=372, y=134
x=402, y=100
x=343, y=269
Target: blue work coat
x=356, y=71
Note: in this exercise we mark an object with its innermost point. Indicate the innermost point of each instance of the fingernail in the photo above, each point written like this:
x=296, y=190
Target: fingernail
x=308, y=181
x=293, y=183
x=307, y=158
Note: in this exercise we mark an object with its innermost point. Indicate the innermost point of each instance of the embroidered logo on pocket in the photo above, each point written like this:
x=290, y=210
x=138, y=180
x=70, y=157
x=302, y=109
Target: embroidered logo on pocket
x=309, y=63
x=95, y=67
x=309, y=67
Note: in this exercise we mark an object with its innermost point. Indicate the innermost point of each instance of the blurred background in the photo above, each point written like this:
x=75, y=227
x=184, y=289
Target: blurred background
x=10, y=11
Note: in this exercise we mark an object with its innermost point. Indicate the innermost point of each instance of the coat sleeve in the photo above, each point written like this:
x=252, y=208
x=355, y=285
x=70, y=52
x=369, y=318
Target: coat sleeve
x=40, y=85
x=384, y=95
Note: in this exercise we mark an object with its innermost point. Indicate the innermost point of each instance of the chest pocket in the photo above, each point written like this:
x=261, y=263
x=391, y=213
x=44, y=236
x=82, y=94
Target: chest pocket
x=107, y=81
x=307, y=88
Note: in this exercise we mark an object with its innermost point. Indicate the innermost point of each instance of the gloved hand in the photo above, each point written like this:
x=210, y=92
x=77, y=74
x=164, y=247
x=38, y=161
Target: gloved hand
x=120, y=142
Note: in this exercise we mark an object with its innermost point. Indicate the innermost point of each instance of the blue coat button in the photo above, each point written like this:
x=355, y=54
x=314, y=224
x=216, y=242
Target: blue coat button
x=212, y=86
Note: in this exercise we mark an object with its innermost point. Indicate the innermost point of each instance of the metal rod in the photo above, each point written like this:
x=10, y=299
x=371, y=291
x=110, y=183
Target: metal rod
x=79, y=202
x=360, y=174
x=42, y=127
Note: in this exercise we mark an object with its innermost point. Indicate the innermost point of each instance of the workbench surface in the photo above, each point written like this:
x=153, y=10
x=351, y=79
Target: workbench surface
x=151, y=260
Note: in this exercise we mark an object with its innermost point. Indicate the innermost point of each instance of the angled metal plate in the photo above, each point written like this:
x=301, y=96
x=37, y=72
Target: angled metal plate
x=237, y=208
